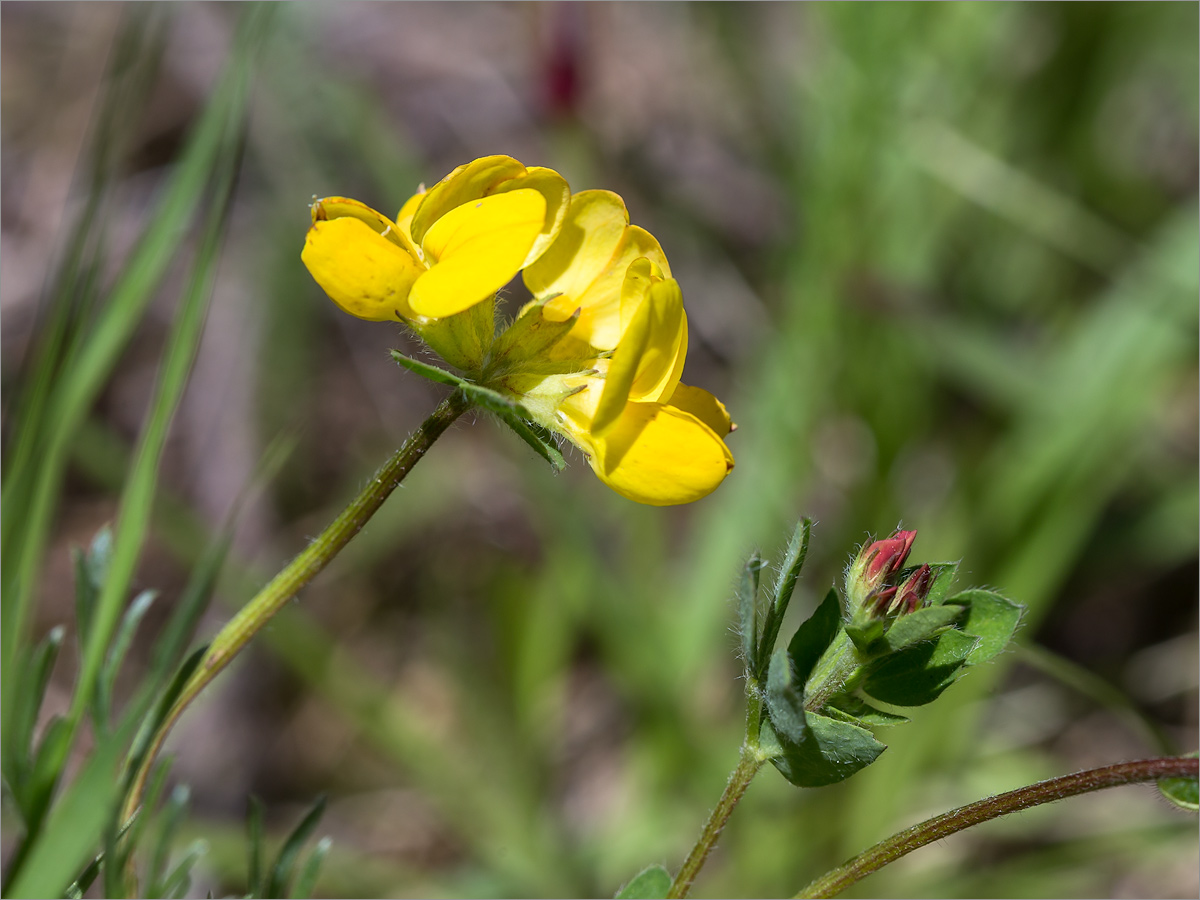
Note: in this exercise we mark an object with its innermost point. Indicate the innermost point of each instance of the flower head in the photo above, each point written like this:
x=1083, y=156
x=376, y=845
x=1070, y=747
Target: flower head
x=449, y=248
x=596, y=356
x=869, y=580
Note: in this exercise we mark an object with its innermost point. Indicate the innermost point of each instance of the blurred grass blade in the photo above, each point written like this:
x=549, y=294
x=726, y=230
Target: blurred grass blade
x=254, y=845
x=25, y=530
x=91, y=569
x=105, y=685
x=307, y=879
x=132, y=73
x=18, y=738
x=176, y=884
x=75, y=825
x=137, y=498
x=285, y=863
x=165, y=827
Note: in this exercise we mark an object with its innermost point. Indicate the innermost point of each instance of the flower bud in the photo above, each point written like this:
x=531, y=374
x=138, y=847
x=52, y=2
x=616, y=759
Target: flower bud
x=908, y=597
x=877, y=563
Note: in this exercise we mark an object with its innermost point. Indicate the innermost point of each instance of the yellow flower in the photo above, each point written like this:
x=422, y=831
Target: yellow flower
x=450, y=247
x=596, y=356
x=646, y=436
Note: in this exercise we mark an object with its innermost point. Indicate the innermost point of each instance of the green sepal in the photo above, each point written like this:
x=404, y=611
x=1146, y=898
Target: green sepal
x=814, y=636
x=536, y=437
x=939, y=585
x=832, y=751
x=529, y=338
x=517, y=418
x=1183, y=792
x=425, y=370
x=866, y=634
x=652, y=883
x=915, y=627
x=747, y=603
x=917, y=675
x=463, y=339
x=851, y=709
x=991, y=618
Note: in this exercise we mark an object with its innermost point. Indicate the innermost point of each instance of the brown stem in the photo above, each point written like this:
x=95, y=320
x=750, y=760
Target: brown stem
x=834, y=882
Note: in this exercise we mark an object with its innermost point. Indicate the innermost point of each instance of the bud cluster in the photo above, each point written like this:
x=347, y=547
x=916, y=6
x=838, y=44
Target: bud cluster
x=877, y=585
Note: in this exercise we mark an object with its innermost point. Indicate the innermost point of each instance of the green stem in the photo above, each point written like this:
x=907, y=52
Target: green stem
x=739, y=780
x=299, y=572
x=749, y=764
x=834, y=882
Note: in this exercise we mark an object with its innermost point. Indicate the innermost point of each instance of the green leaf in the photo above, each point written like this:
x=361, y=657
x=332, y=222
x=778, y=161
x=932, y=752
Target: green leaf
x=915, y=627
x=991, y=618
x=425, y=370
x=814, y=636
x=832, y=751
x=785, y=706
x=285, y=862
x=747, y=600
x=781, y=595
x=916, y=676
x=652, y=883
x=1183, y=792
x=855, y=711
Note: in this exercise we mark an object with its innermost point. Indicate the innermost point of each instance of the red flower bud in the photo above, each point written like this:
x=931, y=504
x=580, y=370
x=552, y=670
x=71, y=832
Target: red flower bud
x=885, y=558
x=911, y=595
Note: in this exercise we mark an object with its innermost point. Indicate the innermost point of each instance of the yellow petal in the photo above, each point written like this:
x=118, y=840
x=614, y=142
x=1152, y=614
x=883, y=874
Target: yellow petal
x=648, y=356
x=704, y=406
x=363, y=272
x=343, y=207
x=586, y=242
x=475, y=249
x=553, y=187
x=405, y=216
x=466, y=183
x=600, y=320
x=660, y=455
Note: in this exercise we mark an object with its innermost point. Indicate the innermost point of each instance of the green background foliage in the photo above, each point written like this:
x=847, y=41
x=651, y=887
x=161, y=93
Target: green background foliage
x=940, y=261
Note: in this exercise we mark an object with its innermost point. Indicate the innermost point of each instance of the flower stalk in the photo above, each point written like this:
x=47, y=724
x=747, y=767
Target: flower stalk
x=238, y=632
x=889, y=850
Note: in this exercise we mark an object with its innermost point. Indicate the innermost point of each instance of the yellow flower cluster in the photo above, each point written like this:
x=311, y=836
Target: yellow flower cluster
x=610, y=384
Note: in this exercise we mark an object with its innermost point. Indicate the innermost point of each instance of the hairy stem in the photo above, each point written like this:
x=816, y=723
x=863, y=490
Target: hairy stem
x=739, y=780
x=834, y=882
x=300, y=571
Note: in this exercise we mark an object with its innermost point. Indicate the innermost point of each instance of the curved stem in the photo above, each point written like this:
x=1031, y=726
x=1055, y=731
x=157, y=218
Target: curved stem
x=834, y=882
x=739, y=780
x=300, y=571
